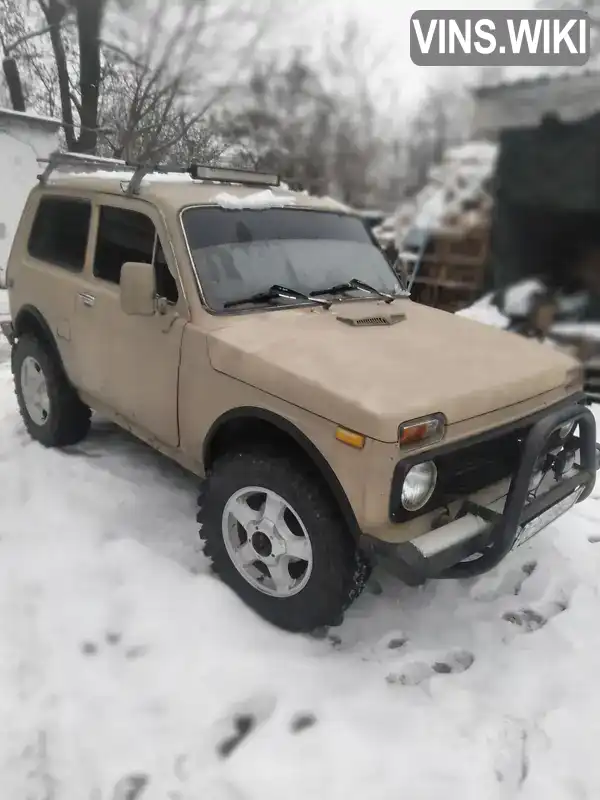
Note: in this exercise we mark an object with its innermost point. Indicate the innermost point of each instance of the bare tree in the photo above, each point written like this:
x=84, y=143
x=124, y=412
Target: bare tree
x=165, y=71
x=361, y=135
x=326, y=127
x=14, y=34
x=317, y=123
x=442, y=120
x=283, y=122
x=134, y=78
x=152, y=99
x=27, y=63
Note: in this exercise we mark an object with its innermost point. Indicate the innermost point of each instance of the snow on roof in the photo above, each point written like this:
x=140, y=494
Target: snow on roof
x=264, y=199
x=455, y=194
x=31, y=118
x=178, y=189
x=125, y=175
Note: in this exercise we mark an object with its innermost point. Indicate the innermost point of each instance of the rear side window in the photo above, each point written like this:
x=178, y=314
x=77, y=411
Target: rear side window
x=59, y=233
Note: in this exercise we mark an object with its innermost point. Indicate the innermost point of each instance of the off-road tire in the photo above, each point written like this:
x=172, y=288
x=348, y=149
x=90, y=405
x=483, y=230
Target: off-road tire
x=340, y=571
x=68, y=418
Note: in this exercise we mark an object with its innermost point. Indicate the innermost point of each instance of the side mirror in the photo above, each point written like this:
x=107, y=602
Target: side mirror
x=138, y=289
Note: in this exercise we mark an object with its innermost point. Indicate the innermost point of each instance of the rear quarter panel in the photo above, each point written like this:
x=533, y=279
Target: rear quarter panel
x=50, y=289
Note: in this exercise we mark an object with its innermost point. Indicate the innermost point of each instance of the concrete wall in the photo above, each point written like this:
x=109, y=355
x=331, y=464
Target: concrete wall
x=23, y=139
x=523, y=104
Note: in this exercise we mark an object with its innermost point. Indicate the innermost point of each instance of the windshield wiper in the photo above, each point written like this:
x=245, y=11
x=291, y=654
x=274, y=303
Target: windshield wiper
x=274, y=293
x=354, y=283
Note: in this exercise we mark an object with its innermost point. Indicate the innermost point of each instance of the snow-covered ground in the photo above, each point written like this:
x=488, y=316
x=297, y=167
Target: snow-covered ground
x=127, y=672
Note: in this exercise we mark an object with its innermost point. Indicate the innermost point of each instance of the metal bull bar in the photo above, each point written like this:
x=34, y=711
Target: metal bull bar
x=504, y=527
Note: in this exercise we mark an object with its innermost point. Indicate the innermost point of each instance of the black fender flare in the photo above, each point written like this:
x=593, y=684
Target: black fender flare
x=304, y=443
x=40, y=323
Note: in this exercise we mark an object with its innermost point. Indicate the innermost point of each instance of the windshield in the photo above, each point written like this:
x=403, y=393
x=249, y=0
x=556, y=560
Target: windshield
x=238, y=253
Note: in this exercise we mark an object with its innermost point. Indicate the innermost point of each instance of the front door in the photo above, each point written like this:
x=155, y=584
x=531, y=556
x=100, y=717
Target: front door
x=131, y=363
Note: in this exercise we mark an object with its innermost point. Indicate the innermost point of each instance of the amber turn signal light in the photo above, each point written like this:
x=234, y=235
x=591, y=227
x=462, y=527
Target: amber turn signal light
x=350, y=438
x=426, y=430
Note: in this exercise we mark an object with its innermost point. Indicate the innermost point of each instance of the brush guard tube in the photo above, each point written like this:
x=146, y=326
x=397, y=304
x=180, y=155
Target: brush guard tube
x=496, y=532
x=517, y=511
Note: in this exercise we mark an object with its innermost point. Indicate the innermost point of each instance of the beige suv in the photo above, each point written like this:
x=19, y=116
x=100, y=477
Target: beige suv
x=259, y=337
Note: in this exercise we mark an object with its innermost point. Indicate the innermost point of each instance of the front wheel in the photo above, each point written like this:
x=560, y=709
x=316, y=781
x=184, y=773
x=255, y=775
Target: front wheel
x=276, y=537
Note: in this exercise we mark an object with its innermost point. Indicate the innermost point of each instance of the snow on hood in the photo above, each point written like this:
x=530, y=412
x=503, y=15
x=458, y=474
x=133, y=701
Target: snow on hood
x=265, y=199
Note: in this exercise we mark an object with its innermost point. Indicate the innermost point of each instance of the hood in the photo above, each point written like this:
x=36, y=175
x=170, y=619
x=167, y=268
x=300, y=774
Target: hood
x=372, y=377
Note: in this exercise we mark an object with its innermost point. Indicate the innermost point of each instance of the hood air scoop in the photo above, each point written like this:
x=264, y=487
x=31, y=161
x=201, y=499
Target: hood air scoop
x=373, y=320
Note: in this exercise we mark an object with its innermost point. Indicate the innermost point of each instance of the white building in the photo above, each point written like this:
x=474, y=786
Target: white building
x=24, y=138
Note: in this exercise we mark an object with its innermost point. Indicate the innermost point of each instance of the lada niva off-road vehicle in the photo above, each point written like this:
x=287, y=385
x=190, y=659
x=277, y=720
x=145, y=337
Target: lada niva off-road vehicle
x=259, y=337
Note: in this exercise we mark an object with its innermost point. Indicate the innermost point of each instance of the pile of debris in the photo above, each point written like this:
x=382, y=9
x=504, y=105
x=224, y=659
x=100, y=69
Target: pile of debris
x=442, y=234
x=455, y=199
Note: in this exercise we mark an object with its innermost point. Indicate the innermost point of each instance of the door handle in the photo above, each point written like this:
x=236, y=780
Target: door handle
x=88, y=299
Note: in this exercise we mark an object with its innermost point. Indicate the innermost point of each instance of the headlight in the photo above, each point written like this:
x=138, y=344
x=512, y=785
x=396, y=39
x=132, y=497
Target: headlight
x=419, y=485
x=566, y=430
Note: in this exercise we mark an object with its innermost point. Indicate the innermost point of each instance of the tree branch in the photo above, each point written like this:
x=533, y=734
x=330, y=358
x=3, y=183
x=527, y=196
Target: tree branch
x=27, y=36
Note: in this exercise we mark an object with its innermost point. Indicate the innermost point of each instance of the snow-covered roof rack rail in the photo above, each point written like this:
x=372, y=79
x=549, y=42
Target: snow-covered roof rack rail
x=195, y=171
x=79, y=160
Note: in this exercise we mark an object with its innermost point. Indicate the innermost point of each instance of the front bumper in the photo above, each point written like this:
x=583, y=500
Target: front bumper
x=479, y=537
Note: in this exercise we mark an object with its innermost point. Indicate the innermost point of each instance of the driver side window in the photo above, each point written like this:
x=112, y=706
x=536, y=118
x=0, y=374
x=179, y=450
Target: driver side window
x=125, y=235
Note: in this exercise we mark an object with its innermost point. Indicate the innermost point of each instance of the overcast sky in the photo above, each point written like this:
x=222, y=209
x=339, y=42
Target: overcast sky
x=386, y=23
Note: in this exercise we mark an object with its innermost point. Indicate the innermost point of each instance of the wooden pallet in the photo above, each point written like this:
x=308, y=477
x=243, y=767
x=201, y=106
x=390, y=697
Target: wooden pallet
x=451, y=275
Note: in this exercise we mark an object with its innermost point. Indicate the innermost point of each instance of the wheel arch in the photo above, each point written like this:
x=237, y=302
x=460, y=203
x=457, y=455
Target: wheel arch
x=249, y=423
x=29, y=319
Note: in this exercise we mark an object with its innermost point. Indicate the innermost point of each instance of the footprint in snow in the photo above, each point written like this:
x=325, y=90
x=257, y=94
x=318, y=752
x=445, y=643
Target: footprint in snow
x=303, y=721
x=114, y=639
x=396, y=641
x=131, y=787
x=416, y=672
x=245, y=720
x=489, y=588
x=242, y=721
x=323, y=634
x=388, y=646
x=531, y=619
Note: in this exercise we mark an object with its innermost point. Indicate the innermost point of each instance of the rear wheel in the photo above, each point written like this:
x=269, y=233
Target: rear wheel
x=50, y=408
x=276, y=537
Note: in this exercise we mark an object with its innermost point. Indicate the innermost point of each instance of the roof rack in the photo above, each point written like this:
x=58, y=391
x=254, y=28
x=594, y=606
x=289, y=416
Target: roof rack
x=58, y=159
x=201, y=172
